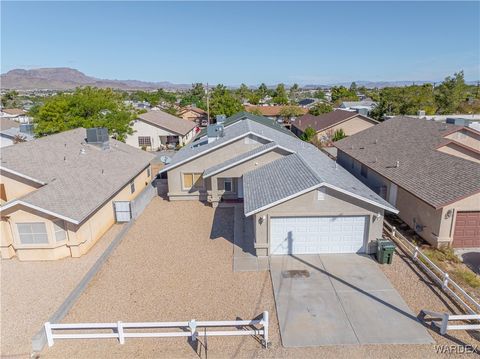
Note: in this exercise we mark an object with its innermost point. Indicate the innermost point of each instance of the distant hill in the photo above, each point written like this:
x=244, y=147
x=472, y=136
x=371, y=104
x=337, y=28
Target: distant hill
x=64, y=78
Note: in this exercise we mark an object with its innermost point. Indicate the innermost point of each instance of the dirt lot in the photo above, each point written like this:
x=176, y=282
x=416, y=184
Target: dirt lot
x=32, y=291
x=176, y=264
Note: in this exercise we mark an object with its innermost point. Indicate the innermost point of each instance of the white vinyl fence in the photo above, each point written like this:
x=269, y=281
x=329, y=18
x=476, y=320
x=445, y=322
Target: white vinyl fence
x=446, y=319
x=448, y=286
x=121, y=330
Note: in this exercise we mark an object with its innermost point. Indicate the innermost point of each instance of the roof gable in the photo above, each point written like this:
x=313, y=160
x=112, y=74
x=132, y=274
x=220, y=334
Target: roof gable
x=167, y=121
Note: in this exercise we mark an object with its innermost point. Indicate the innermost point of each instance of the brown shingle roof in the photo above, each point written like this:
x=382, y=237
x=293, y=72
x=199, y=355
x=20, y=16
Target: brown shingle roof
x=435, y=177
x=169, y=122
x=270, y=110
x=324, y=121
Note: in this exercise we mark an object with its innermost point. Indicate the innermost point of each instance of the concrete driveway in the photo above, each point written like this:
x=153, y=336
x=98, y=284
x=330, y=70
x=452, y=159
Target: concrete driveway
x=338, y=299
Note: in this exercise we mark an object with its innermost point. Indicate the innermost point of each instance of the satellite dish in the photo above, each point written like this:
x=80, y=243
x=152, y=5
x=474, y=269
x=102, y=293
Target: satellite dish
x=165, y=159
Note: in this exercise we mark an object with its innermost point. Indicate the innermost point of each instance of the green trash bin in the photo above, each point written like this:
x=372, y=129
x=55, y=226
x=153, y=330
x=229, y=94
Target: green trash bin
x=385, y=250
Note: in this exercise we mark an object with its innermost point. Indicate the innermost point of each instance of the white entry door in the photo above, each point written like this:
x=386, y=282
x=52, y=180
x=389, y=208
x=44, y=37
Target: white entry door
x=310, y=235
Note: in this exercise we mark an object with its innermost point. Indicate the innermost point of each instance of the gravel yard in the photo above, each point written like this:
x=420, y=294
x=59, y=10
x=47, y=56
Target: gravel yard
x=32, y=291
x=176, y=264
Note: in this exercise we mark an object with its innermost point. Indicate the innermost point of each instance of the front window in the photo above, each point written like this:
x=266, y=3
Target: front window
x=227, y=185
x=192, y=180
x=32, y=233
x=60, y=233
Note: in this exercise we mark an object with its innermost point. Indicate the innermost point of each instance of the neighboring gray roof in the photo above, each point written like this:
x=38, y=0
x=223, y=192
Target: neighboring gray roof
x=169, y=122
x=435, y=177
x=276, y=181
x=324, y=168
x=365, y=103
x=75, y=183
x=15, y=131
x=239, y=159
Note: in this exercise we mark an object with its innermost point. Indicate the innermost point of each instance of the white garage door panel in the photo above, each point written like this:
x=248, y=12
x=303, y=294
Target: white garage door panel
x=308, y=235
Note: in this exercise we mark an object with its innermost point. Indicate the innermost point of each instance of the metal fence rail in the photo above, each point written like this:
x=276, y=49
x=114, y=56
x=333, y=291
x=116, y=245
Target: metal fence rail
x=121, y=330
x=445, y=318
x=449, y=286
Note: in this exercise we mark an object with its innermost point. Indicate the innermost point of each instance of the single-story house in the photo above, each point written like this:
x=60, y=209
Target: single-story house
x=364, y=107
x=297, y=199
x=61, y=193
x=327, y=124
x=156, y=129
x=273, y=112
x=195, y=114
x=16, y=114
x=430, y=171
x=12, y=132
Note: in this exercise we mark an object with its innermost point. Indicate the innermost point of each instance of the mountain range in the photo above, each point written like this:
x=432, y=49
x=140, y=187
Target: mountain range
x=64, y=78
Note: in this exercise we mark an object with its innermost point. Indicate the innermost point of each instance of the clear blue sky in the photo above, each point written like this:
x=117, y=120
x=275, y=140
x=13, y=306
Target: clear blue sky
x=231, y=43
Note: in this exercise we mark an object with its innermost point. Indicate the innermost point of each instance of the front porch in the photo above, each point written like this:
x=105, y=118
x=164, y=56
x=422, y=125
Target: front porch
x=225, y=190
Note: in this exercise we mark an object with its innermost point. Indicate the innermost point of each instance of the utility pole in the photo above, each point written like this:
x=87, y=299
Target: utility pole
x=208, y=107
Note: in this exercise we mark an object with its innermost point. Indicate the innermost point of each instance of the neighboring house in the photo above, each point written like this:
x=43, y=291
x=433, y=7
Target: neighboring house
x=429, y=171
x=327, y=124
x=295, y=199
x=59, y=192
x=364, y=107
x=273, y=112
x=12, y=132
x=156, y=130
x=195, y=114
x=16, y=114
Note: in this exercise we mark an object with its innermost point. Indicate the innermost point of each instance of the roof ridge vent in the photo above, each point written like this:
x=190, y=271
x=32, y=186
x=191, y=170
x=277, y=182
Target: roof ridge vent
x=397, y=164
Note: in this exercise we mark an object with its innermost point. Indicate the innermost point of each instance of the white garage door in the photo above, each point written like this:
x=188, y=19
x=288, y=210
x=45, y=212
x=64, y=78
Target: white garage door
x=304, y=235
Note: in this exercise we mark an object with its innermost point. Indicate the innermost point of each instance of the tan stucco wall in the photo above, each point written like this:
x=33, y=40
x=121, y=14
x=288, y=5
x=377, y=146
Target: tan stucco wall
x=459, y=151
x=350, y=127
x=198, y=165
x=334, y=204
x=16, y=186
x=466, y=138
x=80, y=238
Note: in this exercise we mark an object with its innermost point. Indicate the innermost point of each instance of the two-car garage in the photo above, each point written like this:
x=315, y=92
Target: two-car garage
x=318, y=234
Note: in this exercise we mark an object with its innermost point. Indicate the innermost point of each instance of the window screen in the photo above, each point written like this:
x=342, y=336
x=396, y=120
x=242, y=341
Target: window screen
x=60, y=234
x=32, y=233
x=144, y=141
x=192, y=180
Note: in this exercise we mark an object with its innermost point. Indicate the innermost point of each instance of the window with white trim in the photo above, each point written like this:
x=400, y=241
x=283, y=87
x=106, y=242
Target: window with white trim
x=228, y=185
x=144, y=141
x=321, y=194
x=32, y=233
x=59, y=227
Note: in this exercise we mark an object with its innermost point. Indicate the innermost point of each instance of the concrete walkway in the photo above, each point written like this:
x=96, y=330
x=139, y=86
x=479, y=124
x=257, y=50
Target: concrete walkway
x=339, y=299
x=244, y=258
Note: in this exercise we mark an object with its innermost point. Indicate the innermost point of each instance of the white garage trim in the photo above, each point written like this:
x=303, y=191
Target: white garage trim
x=318, y=234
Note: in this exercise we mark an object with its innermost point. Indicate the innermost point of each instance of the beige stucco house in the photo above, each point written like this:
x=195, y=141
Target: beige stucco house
x=327, y=124
x=61, y=193
x=298, y=200
x=156, y=130
x=194, y=114
x=429, y=171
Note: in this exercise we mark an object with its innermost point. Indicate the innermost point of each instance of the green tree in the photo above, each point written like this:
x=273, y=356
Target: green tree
x=289, y=112
x=341, y=93
x=243, y=92
x=10, y=99
x=451, y=93
x=255, y=111
x=223, y=102
x=338, y=135
x=280, y=97
x=308, y=134
x=353, y=87
x=85, y=107
x=293, y=92
x=319, y=94
x=262, y=90
x=319, y=108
